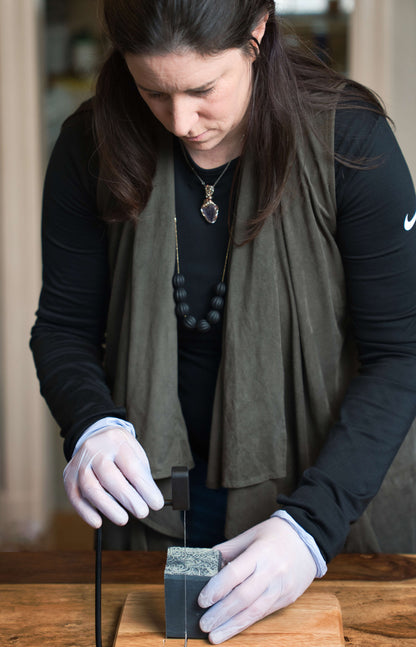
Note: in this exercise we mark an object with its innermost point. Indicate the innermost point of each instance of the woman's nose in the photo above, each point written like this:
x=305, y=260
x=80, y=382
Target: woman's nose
x=183, y=117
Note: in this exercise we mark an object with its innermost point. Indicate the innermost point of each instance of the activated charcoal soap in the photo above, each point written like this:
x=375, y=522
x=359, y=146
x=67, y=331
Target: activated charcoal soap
x=190, y=567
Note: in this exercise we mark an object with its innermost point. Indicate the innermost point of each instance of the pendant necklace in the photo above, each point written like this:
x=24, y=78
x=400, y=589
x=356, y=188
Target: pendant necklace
x=209, y=209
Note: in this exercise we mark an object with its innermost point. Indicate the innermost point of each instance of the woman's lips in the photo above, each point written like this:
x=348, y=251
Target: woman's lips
x=196, y=138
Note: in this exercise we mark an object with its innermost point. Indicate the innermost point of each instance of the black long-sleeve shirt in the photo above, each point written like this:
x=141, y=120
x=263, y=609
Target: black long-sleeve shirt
x=377, y=240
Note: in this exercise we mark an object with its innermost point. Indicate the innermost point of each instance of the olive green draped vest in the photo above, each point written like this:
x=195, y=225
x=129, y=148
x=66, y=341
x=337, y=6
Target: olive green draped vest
x=287, y=356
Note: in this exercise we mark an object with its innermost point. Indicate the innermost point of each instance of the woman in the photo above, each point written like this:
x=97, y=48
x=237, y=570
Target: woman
x=229, y=283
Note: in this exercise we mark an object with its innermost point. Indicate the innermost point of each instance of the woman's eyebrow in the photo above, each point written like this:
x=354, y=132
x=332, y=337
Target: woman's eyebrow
x=198, y=89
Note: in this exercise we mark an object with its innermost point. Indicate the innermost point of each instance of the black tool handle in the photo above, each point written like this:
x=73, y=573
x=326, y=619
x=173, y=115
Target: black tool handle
x=180, y=489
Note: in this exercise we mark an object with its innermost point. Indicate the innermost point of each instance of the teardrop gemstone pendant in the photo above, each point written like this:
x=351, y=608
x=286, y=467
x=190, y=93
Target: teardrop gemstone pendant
x=209, y=209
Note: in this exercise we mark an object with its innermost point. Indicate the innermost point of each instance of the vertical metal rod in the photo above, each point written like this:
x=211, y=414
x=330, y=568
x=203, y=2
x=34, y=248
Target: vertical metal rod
x=98, y=571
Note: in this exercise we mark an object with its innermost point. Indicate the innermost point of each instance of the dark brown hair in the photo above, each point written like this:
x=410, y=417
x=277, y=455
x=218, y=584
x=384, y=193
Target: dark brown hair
x=290, y=86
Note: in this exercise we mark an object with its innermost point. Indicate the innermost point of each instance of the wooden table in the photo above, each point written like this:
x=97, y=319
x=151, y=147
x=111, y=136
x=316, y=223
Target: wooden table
x=47, y=599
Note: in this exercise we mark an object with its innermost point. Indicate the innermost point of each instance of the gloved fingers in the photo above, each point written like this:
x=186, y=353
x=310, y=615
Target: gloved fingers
x=115, y=484
x=95, y=484
x=240, y=598
x=230, y=576
x=88, y=513
x=85, y=510
x=269, y=574
x=233, y=547
x=255, y=612
x=136, y=469
x=91, y=490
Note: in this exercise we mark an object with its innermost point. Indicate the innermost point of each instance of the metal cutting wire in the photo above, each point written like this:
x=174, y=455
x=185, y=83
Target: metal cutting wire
x=181, y=501
x=185, y=605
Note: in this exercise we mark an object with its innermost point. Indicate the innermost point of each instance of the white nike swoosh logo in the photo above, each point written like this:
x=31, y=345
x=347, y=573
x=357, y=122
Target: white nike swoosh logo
x=408, y=224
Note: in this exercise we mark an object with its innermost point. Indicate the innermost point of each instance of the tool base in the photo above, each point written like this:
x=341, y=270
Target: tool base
x=312, y=621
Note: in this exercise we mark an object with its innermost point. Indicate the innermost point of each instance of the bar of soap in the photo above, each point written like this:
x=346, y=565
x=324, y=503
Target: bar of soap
x=196, y=566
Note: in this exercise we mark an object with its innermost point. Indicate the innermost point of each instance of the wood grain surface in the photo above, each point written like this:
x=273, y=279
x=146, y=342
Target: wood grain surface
x=47, y=599
x=376, y=614
x=312, y=621
x=53, y=567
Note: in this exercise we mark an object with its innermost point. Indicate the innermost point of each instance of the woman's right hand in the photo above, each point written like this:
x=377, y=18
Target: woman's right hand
x=110, y=474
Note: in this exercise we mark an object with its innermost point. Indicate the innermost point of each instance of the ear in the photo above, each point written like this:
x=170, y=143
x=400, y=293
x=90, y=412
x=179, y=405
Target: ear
x=258, y=32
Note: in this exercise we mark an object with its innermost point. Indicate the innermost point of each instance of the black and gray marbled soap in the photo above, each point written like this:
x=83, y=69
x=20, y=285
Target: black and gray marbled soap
x=198, y=565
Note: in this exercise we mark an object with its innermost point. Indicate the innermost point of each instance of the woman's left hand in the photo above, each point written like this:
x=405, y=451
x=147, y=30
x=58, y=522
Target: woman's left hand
x=267, y=568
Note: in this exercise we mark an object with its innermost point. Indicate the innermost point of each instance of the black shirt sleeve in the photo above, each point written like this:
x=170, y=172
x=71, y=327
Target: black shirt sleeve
x=377, y=240
x=68, y=335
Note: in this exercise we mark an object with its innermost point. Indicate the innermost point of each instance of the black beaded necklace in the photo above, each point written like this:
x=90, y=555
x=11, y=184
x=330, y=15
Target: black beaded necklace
x=182, y=309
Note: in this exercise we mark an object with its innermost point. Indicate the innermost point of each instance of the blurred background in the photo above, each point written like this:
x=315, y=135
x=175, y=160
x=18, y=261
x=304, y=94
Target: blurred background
x=49, y=54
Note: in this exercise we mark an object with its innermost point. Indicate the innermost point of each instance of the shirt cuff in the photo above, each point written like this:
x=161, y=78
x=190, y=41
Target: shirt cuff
x=99, y=425
x=308, y=540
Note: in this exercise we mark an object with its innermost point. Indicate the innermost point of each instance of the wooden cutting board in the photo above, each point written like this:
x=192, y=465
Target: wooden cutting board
x=312, y=621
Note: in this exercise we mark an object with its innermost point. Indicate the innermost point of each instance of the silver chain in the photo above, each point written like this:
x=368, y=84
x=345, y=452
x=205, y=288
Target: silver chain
x=204, y=184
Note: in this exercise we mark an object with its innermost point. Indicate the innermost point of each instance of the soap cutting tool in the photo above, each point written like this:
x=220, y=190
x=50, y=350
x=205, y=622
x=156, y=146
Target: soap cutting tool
x=180, y=500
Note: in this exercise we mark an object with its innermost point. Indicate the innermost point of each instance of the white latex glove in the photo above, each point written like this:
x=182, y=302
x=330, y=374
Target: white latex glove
x=110, y=473
x=267, y=568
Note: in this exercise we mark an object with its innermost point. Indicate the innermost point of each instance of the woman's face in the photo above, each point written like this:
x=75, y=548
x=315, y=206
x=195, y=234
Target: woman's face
x=203, y=100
